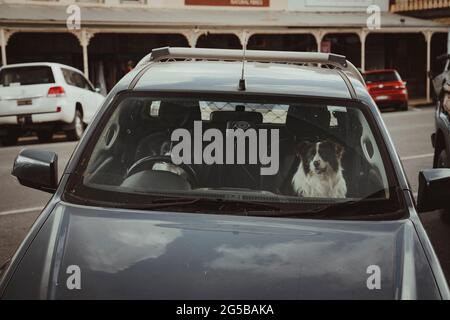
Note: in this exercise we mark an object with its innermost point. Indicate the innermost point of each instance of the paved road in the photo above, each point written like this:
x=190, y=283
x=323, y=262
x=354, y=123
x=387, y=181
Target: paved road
x=411, y=132
x=19, y=206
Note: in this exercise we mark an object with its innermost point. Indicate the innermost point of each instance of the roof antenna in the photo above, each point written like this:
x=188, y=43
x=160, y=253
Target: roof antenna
x=242, y=79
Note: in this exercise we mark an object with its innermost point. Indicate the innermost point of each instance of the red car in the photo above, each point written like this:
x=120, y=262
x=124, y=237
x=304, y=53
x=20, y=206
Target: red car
x=387, y=89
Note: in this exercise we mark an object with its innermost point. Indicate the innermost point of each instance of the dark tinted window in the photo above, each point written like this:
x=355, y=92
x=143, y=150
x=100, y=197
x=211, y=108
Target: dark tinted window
x=26, y=75
x=68, y=76
x=230, y=150
x=76, y=79
x=382, y=76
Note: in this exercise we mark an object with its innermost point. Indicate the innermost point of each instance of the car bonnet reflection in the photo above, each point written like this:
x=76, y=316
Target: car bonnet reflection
x=166, y=255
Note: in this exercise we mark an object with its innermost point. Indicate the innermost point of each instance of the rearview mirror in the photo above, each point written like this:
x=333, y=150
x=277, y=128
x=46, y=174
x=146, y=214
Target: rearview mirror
x=37, y=169
x=434, y=190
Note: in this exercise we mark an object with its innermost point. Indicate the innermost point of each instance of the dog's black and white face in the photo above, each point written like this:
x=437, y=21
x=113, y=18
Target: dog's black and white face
x=320, y=158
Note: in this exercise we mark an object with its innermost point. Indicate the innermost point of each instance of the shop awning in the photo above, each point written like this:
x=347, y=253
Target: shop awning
x=13, y=14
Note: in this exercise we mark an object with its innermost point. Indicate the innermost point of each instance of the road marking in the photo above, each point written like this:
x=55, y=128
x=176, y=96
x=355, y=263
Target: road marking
x=417, y=156
x=17, y=211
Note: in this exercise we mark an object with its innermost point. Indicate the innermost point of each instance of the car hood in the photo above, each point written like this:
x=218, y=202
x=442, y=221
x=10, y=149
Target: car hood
x=86, y=252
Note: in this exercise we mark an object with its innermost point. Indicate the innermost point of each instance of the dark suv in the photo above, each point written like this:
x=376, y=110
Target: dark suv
x=204, y=176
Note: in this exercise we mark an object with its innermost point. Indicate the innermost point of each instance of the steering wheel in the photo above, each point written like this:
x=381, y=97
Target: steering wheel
x=147, y=163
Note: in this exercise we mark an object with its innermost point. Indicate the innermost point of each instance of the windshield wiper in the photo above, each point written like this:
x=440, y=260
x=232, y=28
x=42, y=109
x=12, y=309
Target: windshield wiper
x=339, y=209
x=203, y=204
x=221, y=205
x=316, y=212
x=328, y=210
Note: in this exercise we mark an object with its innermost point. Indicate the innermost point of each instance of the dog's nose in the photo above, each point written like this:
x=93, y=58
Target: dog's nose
x=316, y=163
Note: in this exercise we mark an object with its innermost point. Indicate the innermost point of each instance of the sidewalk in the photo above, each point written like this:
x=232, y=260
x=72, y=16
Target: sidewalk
x=420, y=102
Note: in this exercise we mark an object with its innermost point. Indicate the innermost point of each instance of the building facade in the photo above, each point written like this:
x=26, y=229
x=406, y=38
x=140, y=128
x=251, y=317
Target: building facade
x=105, y=38
x=437, y=10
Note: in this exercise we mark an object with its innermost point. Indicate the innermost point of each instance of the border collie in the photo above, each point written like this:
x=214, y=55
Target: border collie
x=319, y=173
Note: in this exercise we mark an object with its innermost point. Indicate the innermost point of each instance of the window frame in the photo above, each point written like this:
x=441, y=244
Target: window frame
x=82, y=159
x=79, y=74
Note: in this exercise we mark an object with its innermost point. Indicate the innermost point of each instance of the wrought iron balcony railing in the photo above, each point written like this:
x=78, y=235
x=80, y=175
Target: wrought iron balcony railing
x=418, y=5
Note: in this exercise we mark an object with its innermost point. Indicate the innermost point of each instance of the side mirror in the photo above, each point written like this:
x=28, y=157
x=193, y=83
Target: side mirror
x=434, y=190
x=98, y=90
x=37, y=169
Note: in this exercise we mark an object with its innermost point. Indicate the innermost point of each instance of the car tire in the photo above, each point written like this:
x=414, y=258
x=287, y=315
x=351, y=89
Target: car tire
x=10, y=139
x=442, y=159
x=45, y=135
x=77, y=131
x=404, y=106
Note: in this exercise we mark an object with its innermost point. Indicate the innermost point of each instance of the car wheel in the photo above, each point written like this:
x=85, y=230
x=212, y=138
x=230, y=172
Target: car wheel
x=441, y=161
x=78, y=127
x=404, y=106
x=45, y=135
x=10, y=139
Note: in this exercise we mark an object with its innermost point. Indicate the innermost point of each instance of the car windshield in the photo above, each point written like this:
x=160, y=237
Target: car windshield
x=252, y=156
x=386, y=76
x=26, y=75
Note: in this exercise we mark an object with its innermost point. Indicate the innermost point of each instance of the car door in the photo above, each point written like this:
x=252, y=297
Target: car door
x=76, y=93
x=83, y=96
x=95, y=99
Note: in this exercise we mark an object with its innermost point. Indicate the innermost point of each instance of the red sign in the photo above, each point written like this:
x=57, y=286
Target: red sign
x=228, y=3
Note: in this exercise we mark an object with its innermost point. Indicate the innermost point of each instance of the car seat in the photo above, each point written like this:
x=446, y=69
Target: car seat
x=171, y=115
x=303, y=122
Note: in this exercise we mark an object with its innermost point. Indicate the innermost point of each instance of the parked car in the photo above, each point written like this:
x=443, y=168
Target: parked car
x=203, y=177
x=440, y=139
x=387, y=89
x=440, y=75
x=45, y=97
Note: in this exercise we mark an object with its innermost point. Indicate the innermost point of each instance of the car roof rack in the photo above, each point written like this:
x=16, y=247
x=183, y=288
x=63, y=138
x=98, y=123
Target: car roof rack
x=329, y=59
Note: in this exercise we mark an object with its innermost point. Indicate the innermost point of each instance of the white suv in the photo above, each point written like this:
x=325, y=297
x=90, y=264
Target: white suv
x=45, y=97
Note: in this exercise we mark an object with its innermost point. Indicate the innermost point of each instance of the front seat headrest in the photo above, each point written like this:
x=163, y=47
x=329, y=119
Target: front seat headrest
x=179, y=114
x=308, y=121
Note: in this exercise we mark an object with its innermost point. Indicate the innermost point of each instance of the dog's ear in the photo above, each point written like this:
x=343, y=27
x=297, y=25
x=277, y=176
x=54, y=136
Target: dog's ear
x=301, y=148
x=339, y=150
